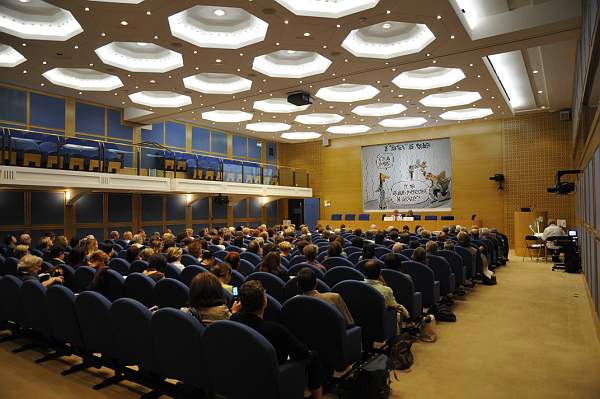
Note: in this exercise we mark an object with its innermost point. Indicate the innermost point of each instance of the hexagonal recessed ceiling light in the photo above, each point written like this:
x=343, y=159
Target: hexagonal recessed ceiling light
x=218, y=27
x=379, y=109
x=388, y=39
x=119, y=1
x=36, y=19
x=268, y=127
x=83, y=79
x=466, y=113
x=348, y=129
x=278, y=106
x=217, y=83
x=160, y=99
x=347, y=92
x=222, y=115
x=319, y=119
x=327, y=8
x=140, y=57
x=291, y=64
x=450, y=99
x=403, y=121
x=300, y=135
x=9, y=57
x=428, y=78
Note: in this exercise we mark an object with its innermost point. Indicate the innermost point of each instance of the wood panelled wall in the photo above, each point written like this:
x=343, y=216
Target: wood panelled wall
x=527, y=149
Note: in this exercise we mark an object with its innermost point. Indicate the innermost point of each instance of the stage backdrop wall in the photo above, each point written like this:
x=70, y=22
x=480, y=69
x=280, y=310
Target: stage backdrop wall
x=527, y=149
x=413, y=175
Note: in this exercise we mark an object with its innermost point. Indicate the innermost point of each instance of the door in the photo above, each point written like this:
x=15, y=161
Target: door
x=311, y=211
x=296, y=211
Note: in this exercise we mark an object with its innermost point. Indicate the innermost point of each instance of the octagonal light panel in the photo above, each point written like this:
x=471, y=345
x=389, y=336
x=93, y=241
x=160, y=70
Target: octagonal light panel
x=36, y=19
x=379, y=109
x=318, y=119
x=9, y=57
x=291, y=64
x=428, y=78
x=327, y=8
x=300, y=135
x=160, y=99
x=388, y=39
x=218, y=27
x=268, y=127
x=278, y=106
x=140, y=57
x=466, y=114
x=222, y=115
x=217, y=83
x=403, y=121
x=348, y=129
x=83, y=79
x=450, y=99
x=119, y=1
x=347, y=92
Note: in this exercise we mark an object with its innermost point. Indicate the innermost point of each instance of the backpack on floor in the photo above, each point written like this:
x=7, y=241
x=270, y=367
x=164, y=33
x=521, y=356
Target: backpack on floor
x=369, y=380
x=400, y=356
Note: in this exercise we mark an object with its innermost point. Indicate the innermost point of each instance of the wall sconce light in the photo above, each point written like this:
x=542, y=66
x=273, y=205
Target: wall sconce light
x=326, y=203
x=67, y=197
x=188, y=199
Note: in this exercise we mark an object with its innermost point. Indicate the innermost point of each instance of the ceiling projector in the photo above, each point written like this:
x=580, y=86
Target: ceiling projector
x=563, y=188
x=300, y=98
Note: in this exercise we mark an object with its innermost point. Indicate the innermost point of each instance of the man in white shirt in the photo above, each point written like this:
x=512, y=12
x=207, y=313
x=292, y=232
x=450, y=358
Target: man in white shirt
x=552, y=231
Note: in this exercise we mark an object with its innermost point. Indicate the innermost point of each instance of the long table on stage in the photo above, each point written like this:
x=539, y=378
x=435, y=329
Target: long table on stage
x=431, y=225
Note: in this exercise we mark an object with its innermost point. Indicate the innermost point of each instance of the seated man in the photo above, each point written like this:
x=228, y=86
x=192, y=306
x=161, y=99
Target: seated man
x=310, y=253
x=553, y=230
x=307, y=283
x=57, y=256
x=375, y=280
x=253, y=298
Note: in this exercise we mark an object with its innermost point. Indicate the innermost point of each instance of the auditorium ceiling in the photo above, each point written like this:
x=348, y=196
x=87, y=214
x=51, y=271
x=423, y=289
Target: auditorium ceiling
x=370, y=65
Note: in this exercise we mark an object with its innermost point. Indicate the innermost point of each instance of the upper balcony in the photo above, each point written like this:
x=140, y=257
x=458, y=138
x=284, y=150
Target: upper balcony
x=44, y=160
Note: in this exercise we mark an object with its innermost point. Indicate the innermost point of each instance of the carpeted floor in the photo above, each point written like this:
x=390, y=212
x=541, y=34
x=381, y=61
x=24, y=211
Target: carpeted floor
x=531, y=336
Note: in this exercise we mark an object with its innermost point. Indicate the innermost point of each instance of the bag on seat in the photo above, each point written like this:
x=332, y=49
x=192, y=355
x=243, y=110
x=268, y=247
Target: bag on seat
x=370, y=379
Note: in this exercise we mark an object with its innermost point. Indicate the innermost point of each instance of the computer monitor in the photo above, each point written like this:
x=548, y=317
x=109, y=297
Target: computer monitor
x=572, y=233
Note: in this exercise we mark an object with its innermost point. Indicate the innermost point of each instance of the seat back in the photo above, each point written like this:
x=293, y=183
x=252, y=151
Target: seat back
x=423, y=279
x=246, y=267
x=63, y=316
x=171, y=293
x=273, y=310
x=456, y=263
x=189, y=272
x=35, y=309
x=367, y=306
x=334, y=261
x=10, y=299
x=187, y=259
x=342, y=273
x=9, y=266
x=381, y=251
x=92, y=315
x=83, y=278
x=251, y=257
x=350, y=250
x=468, y=260
x=442, y=273
x=177, y=342
x=138, y=266
x=301, y=314
x=115, y=285
x=120, y=265
x=237, y=278
x=129, y=321
x=220, y=255
x=404, y=291
x=172, y=271
x=297, y=259
x=256, y=362
x=272, y=284
x=293, y=270
x=407, y=252
x=141, y=288
x=291, y=288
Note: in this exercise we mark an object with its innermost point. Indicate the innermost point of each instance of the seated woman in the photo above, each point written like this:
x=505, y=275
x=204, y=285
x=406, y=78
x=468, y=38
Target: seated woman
x=393, y=261
x=132, y=254
x=464, y=240
x=174, y=257
x=420, y=255
x=272, y=264
x=334, y=250
x=76, y=258
x=233, y=258
x=368, y=252
x=207, y=300
x=285, y=249
x=29, y=267
x=99, y=261
x=146, y=253
x=157, y=265
x=223, y=273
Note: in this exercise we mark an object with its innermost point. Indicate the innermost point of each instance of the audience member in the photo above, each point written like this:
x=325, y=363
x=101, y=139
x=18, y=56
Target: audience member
x=223, y=272
x=310, y=253
x=156, y=269
x=271, y=263
x=132, y=254
x=233, y=258
x=207, y=300
x=29, y=267
x=174, y=257
x=57, y=256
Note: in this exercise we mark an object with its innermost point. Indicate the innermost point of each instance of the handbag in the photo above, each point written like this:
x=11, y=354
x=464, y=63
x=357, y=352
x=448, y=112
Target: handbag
x=368, y=380
x=400, y=356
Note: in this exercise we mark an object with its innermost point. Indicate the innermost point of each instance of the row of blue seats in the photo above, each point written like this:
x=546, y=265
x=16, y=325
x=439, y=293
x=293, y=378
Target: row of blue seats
x=366, y=216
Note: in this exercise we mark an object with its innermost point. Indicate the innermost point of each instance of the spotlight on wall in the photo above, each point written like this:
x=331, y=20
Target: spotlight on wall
x=499, y=178
x=67, y=197
x=563, y=187
x=188, y=199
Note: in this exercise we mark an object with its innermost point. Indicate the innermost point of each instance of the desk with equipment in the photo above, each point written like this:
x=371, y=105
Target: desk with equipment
x=431, y=225
x=527, y=223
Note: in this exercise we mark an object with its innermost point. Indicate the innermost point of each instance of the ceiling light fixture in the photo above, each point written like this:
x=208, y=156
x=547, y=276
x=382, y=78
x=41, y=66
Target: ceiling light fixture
x=294, y=64
x=227, y=116
x=379, y=109
x=83, y=79
x=318, y=119
x=278, y=105
x=268, y=127
x=300, y=135
x=450, y=99
x=511, y=72
x=327, y=9
x=134, y=57
x=160, y=99
x=9, y=57
x=217, y=83
x=428, y=78
x=403, y=121
x=348, y=129
x=347, y=92
x=466, y=114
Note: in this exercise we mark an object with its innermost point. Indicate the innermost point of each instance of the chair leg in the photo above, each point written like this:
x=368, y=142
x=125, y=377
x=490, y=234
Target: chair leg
x=78, y=367
x=115, y=379
x=50, y=356
x=24, y=347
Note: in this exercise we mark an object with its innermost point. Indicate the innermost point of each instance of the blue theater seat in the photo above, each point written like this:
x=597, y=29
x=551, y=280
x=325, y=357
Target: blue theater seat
x=171, y=293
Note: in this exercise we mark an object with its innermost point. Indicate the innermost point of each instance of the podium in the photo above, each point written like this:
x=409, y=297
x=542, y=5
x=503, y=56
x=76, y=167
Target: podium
x=521, y=229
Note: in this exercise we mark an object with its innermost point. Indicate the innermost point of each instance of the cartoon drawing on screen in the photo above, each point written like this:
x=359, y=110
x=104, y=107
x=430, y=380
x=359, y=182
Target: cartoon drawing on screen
x=440, y=184
x=380, y=189
x=419, y=165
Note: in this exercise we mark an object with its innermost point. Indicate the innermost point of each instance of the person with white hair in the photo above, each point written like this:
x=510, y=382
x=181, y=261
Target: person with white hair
x=137, y=240
x=29, y=267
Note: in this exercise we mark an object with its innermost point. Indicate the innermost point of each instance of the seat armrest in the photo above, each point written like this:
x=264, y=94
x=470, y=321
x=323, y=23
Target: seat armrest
x=292, y=379
x=436, y=291
x=417, y=307
x=352, y=347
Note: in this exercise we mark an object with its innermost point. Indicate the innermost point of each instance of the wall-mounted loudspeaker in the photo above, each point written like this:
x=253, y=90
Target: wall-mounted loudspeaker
x=565, y=115
x=326, y=141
